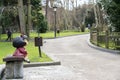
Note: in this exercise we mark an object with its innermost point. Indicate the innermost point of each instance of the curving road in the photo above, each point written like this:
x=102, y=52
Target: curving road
x=85, y=62
x=78, y=61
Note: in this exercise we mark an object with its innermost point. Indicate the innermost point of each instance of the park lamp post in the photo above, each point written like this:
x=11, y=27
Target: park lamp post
x=54, y=9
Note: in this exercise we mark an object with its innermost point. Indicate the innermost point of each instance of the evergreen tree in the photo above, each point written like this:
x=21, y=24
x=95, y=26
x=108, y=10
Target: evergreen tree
x=112, y=8
x=38, y=19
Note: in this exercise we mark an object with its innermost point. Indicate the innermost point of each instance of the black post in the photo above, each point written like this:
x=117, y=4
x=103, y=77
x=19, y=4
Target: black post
x=39, y=51
x=0, y=32
x=55, y=24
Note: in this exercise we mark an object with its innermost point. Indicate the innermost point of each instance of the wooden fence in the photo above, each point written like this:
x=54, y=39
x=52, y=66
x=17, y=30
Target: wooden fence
x=110, y=40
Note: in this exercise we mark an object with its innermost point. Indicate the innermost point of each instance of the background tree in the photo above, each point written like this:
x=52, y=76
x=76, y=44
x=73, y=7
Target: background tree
x=10, y=13
x=38, y=19
x=10, y=7
x=112, y=8
x=90, y=17
x=41, y=24
x=8, y=19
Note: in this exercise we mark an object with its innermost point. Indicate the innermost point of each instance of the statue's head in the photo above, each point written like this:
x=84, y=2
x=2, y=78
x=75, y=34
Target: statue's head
x=19, y=41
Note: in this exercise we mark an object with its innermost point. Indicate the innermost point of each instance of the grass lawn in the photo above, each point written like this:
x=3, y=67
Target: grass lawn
x=47, y=35
x=51, y=34
x=6, y=49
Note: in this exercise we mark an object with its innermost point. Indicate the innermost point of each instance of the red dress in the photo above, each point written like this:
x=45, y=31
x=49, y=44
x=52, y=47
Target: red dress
x=20, y=52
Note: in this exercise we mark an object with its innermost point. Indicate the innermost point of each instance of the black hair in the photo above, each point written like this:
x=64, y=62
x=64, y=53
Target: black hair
x=18, y=42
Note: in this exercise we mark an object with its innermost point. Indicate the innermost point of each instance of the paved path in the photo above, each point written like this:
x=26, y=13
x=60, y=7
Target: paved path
x=75, y=54
x=78, y=61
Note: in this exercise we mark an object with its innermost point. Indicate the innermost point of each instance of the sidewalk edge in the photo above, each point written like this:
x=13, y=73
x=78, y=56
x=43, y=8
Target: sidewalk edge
x=37, y=64
x=102, y=49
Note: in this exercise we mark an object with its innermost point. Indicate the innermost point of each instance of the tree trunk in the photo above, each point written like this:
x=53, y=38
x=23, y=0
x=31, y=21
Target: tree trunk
x=28, y=18
x=46, y=11
x=21, y=16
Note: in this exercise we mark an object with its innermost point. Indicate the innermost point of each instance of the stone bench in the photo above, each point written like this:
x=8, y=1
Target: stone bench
x=14, y=67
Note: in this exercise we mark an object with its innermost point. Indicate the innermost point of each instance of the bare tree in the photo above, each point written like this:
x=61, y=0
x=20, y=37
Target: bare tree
x=28, y=18
x=21, y=16
x=98, y=15
x=46, y=11
x=68, y=13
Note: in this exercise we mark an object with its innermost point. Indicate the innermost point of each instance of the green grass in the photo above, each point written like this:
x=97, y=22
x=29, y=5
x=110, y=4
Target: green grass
x=47, y=35
x=51, y=34
x=33, y=54
x=6, y=49
x=112, y=45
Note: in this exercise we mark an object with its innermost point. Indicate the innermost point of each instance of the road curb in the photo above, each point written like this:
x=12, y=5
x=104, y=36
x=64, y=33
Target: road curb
x=102, y=49
x=37, y=64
